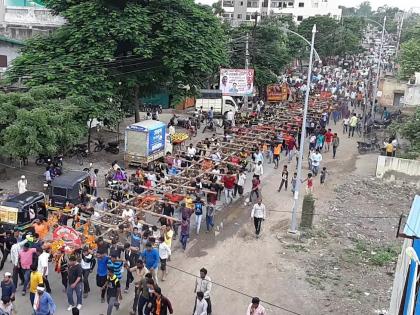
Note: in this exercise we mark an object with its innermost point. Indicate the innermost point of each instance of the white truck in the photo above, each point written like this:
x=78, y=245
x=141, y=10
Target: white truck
x=214, y=98
x=145, y=142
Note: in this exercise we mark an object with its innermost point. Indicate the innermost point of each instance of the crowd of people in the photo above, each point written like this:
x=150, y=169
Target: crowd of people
x=141, y=251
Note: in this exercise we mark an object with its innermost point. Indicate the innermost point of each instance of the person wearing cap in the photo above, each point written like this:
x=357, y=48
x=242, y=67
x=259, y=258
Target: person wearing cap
x=22, y=183
x=43, y=302
x=8, y=289
x=255, y=308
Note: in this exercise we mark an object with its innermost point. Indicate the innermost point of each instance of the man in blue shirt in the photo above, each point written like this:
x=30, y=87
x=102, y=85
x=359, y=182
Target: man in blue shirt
x=116, y=265
x=135, y=238
x=43, y=303
x=102, y=272
x=151, y=260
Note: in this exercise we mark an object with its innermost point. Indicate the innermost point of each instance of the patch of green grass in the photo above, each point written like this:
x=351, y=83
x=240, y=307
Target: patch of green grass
x=316, y=282
x=384, y=256
x=365, y=253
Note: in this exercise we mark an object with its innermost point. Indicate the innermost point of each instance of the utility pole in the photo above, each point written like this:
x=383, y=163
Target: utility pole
x=378, y=73
x=246, y=67
x=399, y=35
x=293, y=225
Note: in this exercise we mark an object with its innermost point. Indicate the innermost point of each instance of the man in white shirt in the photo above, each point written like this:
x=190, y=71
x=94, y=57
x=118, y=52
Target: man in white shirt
x=259, y=170
x=200, y=305
x=164, y=253
x=203, y=284
x=316, y=159
x=128, y=214
x=258, y=215
x=43, y=266
x=191, y=151
x=22, y=183
x=171, y=129
x=230, y=116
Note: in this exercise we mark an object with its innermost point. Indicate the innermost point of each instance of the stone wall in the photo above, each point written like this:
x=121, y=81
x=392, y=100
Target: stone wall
x=396, y=169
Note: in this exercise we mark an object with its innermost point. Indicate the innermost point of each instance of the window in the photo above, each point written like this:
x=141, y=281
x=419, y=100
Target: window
x=300, y=18
x=239, y=16
x=275, y=4
x=248, y=17
x=252, y=4
x=242, y=3
x=284, y=5
x=290, y=4
x=3, y=61
x=265, y=4
x=228, y=3
x=301, y=4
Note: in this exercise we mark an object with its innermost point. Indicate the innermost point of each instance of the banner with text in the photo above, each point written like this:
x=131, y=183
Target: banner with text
x=237, y=82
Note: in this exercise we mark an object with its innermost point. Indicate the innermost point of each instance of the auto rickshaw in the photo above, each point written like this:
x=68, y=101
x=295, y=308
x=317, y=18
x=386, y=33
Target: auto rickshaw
x=68, y=187
x=18, y=212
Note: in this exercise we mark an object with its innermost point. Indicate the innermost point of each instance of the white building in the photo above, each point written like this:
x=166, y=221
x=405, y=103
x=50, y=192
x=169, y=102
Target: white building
x=23, y=22
x=239, y=11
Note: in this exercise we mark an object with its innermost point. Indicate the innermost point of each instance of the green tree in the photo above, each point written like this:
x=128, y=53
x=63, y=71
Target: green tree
x=333, y=38
x=410, y=130
x=268, y=48
x=364, y=9
x=410, y=58
x=129, y=47
x=218, y=8
x=46, y=129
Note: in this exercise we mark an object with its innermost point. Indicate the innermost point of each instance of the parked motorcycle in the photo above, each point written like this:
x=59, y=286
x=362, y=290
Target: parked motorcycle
x=48, y=160
x=112, y=147
x=371, y=145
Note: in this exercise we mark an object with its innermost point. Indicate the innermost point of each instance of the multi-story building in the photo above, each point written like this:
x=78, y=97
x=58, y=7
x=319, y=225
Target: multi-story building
x=240, y=11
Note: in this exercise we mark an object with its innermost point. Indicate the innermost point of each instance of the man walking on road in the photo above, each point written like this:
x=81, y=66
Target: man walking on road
x=353, y=124
x=203, y=284
x=284, y=178
x=258, y=215
x=335, y=144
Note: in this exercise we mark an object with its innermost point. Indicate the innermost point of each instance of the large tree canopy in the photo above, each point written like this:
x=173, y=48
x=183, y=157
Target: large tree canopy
x=333, y=38
x=129, y=47
x=410, y=58
x=268, y=49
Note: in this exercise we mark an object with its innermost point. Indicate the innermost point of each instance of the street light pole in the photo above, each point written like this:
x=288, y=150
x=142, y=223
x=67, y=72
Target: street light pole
x=378, y=73
x=293, y=225
x=246, y=67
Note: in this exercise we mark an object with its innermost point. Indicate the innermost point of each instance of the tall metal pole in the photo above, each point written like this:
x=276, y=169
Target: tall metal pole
x=293, y=225
x=399, y=35
x=246, y=67
x=378, y=72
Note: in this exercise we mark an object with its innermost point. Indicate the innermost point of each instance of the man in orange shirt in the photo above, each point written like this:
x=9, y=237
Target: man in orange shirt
x=276, y=154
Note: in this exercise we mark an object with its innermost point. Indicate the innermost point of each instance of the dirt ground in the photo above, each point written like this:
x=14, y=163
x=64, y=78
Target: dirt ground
x=344, y=265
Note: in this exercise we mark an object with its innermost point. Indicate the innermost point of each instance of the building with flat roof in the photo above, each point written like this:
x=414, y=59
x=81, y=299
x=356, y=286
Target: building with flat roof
x=243, y=11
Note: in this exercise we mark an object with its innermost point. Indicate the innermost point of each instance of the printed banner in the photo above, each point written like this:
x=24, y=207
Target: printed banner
x=277, y=92
x=237, y=82
x=156, y=140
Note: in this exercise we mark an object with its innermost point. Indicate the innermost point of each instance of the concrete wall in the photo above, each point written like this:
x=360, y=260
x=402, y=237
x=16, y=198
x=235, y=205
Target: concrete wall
x=388, y=86
x=412, y=95
x=9, y=50
x=396, y=169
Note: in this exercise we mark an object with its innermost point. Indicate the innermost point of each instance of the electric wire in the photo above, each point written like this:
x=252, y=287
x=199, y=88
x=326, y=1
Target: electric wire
x=236, y=291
